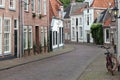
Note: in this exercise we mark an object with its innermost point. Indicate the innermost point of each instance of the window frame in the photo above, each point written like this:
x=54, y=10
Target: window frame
x=26, y=6
x=33, y=5
x=14, y=5
x=7, y=32
x=3, y=4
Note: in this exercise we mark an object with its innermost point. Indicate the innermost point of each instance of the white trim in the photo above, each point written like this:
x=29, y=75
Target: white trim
x=14, y=5
x=26, y=38
x=30, y=31
x=26, y=3
x=33, y=5
x=3, y=4
x=6, y=18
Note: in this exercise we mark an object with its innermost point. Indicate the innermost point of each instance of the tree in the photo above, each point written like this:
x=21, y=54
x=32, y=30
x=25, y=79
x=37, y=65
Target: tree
x=97, y=33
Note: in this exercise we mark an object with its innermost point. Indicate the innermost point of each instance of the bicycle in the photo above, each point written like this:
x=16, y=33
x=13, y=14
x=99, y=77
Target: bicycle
x=111, y=61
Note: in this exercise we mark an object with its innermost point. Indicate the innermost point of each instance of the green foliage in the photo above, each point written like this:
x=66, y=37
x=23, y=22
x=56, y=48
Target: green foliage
x=97, y=33
x=67, y=2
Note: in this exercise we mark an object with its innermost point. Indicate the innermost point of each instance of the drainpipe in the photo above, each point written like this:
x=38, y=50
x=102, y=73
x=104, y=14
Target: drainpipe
x=20, y=29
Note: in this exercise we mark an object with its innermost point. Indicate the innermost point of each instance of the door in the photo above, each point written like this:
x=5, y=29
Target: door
x=15, y=43
x=37, y=35
x=77, y=36
x=88, y=38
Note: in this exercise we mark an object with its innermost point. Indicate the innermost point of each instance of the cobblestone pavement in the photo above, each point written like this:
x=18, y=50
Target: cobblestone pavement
x=97, y=71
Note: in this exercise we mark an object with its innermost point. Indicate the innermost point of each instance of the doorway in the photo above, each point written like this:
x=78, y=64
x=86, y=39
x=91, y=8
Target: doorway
x=15, y=42
x=37, y=35
x=88, y=38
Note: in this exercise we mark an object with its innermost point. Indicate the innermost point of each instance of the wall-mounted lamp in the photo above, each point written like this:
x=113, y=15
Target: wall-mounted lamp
x=115, y=12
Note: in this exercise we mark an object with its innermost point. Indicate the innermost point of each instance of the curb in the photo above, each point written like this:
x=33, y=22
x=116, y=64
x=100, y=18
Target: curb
x=64, y=51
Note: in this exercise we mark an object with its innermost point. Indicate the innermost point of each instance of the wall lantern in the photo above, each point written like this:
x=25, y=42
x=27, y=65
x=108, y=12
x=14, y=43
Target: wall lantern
x=115, y=12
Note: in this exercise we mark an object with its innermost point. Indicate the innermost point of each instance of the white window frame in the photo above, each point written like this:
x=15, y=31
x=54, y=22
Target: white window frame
x=30, y=38
x=33, y=5
x=39, y=6
x=45, y=7
x=9, y=45
x=14, y=5
x=26, y=5
x=0, y=36
x=42, y=36
x=25, y=38
x=3, y=4
x=73, y=32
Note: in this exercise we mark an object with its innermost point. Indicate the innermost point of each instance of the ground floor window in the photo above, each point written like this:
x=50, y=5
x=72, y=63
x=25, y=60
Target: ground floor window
x=7, y=33
x=27, y=37
x=107, y=35
x=73, y=32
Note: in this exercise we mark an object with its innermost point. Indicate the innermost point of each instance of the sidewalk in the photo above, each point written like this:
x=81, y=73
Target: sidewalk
x=7, y=64
x=97, y=71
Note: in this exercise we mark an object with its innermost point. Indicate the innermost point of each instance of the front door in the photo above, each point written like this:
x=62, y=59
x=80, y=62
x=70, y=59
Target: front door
x=88, y=38
x=15, y=43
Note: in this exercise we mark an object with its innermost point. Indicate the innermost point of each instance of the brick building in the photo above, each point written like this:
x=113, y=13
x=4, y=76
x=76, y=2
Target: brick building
x=31, y=17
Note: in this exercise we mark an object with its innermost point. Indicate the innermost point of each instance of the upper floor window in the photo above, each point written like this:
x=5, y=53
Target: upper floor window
x=26, y=5
x=39, y=6
x=45, y=9
x=33, y=5
x=80, y=21
x=76, y=21
x=12, y=4
x=2, y=3
x=88, y=20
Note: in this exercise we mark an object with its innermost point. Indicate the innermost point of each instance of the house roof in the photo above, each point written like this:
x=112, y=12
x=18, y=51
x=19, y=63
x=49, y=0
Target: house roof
x=103, y=3
x=105, y=18
x=76, y=8
x=54, y=8
x=67, y=11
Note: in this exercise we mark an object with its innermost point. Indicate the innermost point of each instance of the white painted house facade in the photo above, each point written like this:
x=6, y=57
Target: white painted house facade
x=88, y=21
x=57, y=33
x=77, y=28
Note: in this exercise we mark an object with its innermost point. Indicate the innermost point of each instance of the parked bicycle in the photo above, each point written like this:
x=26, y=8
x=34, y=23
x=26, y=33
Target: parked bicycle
x=111, y=61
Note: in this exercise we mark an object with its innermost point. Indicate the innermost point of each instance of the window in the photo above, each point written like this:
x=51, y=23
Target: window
x=45, y=9
x=2, y=3
x=33, y=5
x=12, y=4
x=25, y=37
x=42, y=36
x=39, y=6
x=107, y=35
x=73, y=32
x=30, y=36
x=81, y=33
x=88, y=20
x=15, y=24
x=80, y=21
x=0, y=35
x=26, y=5
x=76, y=21
x=7, y=39
x=72, y=21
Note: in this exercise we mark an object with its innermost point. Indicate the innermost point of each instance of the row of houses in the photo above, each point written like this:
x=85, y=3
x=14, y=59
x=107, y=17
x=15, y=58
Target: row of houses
x=81, y=15
x=25, y=24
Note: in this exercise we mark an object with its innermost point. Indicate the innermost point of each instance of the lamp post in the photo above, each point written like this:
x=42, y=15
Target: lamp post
x=115, y=11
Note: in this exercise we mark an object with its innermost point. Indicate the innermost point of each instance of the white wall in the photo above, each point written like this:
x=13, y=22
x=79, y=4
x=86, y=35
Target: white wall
x=56, y=24
x=73, y=24
x=86, y=26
